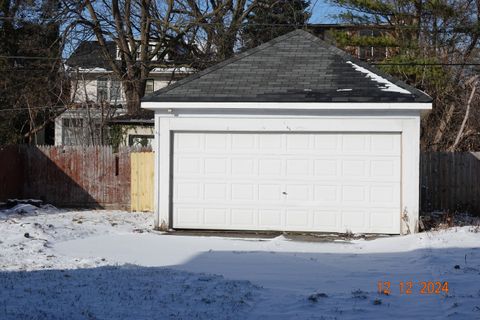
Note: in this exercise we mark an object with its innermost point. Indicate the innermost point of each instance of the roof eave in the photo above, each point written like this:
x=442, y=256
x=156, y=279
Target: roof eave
x=289, y=105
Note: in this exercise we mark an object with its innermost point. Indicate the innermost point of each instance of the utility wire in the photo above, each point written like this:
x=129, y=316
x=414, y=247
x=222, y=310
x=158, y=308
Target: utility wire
x=458, y=29
x=185, y=64
x=31, y=108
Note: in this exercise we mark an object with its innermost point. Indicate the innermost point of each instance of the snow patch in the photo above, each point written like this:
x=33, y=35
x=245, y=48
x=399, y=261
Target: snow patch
x=170, y=70
x=93, y=70
x=387, y=85
x=101, y=264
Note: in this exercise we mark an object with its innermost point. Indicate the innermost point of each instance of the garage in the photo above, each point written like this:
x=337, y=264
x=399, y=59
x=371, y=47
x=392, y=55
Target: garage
x=294, y=135
x=290, y=182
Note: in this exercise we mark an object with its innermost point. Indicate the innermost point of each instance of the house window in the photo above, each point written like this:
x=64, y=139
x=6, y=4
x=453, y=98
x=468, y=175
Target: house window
x=149, y=86
x=140, y=140
x=115, y=90
x=72, y=131
x=102, y=89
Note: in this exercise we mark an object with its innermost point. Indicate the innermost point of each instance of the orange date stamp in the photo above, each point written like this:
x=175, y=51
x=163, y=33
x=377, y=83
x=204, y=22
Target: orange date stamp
x=409, y=287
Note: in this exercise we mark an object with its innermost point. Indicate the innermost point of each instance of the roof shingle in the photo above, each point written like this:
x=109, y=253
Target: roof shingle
x=296, y=67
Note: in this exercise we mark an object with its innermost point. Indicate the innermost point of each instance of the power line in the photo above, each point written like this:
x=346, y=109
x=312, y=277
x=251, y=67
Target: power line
x=185, y=64
x=31, y=108
x=458, y=29
x=32, y=58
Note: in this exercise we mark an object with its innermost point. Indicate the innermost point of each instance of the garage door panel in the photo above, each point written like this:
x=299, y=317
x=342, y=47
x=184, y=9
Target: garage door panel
x=189, y=142
x=355, y=144
x=326, y=219
x=270, y=167
x=354, y=168
x=327, y=194
x=243, y=167
x=270, y=192
x=327, y=142
x=215, y=166
x=298, y=142
x=187, y=191
x=216, y=216
x=187, y=216
x=297, y=218
x=283, y=181
x=270, y=218
x=215, y=192
x=243, y=192
x=243, y=142
x=326, y=168
x=384, y=195
x=215, y=142
x=354, y=219
x=383, y=219
x=243, y=217
x=354, y=194
x=268, y=143
x=385, y=168
x=298, y=167
x=385, y=144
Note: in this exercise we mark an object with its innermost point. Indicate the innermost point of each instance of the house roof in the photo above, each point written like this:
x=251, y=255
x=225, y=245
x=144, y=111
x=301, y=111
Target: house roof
x=142, y=117
x=89, y=55
x=296, y=67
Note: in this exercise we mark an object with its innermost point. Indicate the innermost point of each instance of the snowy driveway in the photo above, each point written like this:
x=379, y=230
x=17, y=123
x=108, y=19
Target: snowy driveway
x=290, y=272
x=268, y=278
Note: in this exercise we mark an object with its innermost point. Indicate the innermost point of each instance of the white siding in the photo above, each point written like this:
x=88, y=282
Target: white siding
x=401, y=124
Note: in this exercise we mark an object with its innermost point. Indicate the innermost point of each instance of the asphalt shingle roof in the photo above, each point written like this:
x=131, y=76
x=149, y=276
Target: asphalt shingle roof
x=296, y=67
x=89, y=55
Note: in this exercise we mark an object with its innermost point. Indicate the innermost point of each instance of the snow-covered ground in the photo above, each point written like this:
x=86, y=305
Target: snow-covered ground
x=111, y=265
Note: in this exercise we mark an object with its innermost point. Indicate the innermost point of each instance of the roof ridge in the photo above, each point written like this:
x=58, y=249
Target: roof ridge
x=228, y=61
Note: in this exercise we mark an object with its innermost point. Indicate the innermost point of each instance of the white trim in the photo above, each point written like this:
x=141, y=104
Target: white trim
x=156, y=186
x=288, y=105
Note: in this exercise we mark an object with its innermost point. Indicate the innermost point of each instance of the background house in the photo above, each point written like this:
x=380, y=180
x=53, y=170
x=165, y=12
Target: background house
x=333, y=33
x=98, y=99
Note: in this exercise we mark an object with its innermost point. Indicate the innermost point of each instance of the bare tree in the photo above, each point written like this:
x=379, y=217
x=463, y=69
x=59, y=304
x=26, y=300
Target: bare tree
x=219, y=25
x=433, y=45
x=147, y=32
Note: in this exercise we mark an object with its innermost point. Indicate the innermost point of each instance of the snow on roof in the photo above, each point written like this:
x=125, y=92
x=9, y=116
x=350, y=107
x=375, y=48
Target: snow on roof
x=388, y=86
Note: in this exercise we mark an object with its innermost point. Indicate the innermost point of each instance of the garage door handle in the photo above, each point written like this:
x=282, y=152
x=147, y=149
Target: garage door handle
x=284, y=193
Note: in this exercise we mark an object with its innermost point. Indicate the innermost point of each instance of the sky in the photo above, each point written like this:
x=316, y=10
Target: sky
x=323, y=12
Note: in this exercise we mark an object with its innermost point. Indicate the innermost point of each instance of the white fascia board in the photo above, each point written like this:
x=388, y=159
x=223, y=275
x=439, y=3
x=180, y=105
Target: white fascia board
x=289, y=105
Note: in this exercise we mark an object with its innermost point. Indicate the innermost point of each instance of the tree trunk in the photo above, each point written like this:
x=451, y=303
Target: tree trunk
x=134, y=91
x=465, y=118
x=444, y=124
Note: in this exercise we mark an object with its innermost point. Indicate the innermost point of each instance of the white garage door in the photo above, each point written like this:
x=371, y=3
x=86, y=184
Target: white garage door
x=321, y=182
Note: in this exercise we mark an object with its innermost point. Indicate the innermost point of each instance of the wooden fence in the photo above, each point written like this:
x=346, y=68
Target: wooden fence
x=79, y=176
x=142, y=183
x=450, y=181
x=70, y=176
